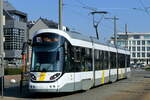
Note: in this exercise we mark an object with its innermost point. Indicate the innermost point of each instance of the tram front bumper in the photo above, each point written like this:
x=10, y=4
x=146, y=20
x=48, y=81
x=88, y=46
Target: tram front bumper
x=42, y=87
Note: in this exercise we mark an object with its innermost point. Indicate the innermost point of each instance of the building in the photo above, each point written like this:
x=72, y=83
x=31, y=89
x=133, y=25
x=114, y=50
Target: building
x=138, y=44
x=15, y=31
x=42, y=23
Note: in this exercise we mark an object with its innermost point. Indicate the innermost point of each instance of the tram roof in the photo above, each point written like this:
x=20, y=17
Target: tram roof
x=78, y=36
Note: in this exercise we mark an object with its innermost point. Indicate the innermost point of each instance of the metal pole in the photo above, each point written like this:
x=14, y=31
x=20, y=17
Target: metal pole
x=115, y=31
x=126, y=32
x=60, y=15
x=1, y=43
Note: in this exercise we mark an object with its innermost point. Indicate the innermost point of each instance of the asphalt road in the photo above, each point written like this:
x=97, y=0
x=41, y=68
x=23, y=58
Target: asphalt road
x=135, y=88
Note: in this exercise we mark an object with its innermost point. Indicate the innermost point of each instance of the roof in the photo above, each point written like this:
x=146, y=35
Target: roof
x=8, y=6
x=9, y=9
x=49, y=23
x=18, y=12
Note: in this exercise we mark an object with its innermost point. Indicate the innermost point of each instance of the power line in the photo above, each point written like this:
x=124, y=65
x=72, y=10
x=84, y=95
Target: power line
x=144, y=8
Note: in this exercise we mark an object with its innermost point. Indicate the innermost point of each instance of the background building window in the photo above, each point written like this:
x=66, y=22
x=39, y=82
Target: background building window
x=146, y=36
x=133, y=42
x=133, y=55
x=138, y=54
x=136, y=37
x=138, y=48
x=133, y=49
x=148, y=42
x=138, y=43
x=143, y=42
x=148, y=48
x=143, y=48
x=148, y=54
x=143, y=54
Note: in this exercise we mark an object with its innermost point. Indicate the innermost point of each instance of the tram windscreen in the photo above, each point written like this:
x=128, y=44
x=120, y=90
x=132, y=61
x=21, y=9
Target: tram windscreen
x=46, y=62
x=46, y=39
x=46, y=53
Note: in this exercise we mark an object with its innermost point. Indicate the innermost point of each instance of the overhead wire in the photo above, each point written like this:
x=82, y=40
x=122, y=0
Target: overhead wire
x=84, y=6
x=144, y=7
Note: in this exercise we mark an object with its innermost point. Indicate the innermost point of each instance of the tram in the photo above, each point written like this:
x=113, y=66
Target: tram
x=68, y=61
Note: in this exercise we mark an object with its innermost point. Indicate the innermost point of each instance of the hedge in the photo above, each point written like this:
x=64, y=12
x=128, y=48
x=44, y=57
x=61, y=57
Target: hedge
x=12, y=71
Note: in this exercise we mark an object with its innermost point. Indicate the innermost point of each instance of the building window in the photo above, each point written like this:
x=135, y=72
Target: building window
x=121, y=43
x=148, y=48
x=143, y=42
x=138, y=48
x=133, y=49
x=138, y=54
x=148, y=54
x=133, y=42
x=143, y=54
x=129, y=48
x=129, y=42
x=136, y=37
x=143, y=48
x=14, y=38
x=148, y=42
x=138, y=43
x=133, y=55
x=147, y=37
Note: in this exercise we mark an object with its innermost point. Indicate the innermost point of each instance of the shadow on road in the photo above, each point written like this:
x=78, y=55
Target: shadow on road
x=15, y=92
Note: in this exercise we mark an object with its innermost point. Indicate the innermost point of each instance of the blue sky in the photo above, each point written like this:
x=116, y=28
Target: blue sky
x=78, y=18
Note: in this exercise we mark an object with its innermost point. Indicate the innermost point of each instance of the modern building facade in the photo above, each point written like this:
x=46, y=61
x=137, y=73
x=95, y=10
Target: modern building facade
x=138, y=44
x=15, y=31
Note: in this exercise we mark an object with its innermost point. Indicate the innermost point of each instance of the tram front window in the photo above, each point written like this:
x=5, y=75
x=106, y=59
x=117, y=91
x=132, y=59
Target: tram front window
x=46, y=54
x=46, y=62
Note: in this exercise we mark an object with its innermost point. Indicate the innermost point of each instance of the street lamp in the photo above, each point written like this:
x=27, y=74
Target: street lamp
x=96, y=23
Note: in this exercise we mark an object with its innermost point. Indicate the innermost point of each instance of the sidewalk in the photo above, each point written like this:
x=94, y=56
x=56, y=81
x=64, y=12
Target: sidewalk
x=12, y=91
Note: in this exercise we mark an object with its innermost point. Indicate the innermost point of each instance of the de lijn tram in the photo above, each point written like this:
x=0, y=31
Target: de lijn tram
x=68, y=61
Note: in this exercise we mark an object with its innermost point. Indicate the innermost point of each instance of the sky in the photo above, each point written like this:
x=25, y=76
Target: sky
x=77, y=17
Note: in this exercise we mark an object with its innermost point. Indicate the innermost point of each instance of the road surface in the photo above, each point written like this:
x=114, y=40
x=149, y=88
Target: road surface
x=135, y=88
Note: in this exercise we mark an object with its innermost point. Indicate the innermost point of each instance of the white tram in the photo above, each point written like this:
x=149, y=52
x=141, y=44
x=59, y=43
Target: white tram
x=67, y=62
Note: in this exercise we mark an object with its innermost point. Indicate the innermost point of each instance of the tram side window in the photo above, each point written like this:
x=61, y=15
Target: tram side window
x=69, y=56
x=112, y=60
x=88, y=59
x=121, y=60
x=105, y=63
x=101, y=54
x=77, y=59
x=128, y=60
x=97, y=59
x=83, y=55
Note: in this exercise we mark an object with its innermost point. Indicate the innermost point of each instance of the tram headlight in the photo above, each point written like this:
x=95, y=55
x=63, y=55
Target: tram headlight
x=33, y=77
x=54, y=76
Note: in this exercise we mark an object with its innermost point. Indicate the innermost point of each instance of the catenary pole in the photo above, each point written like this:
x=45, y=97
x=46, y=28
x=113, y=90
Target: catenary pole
x=115, y=29
x=60, y=15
